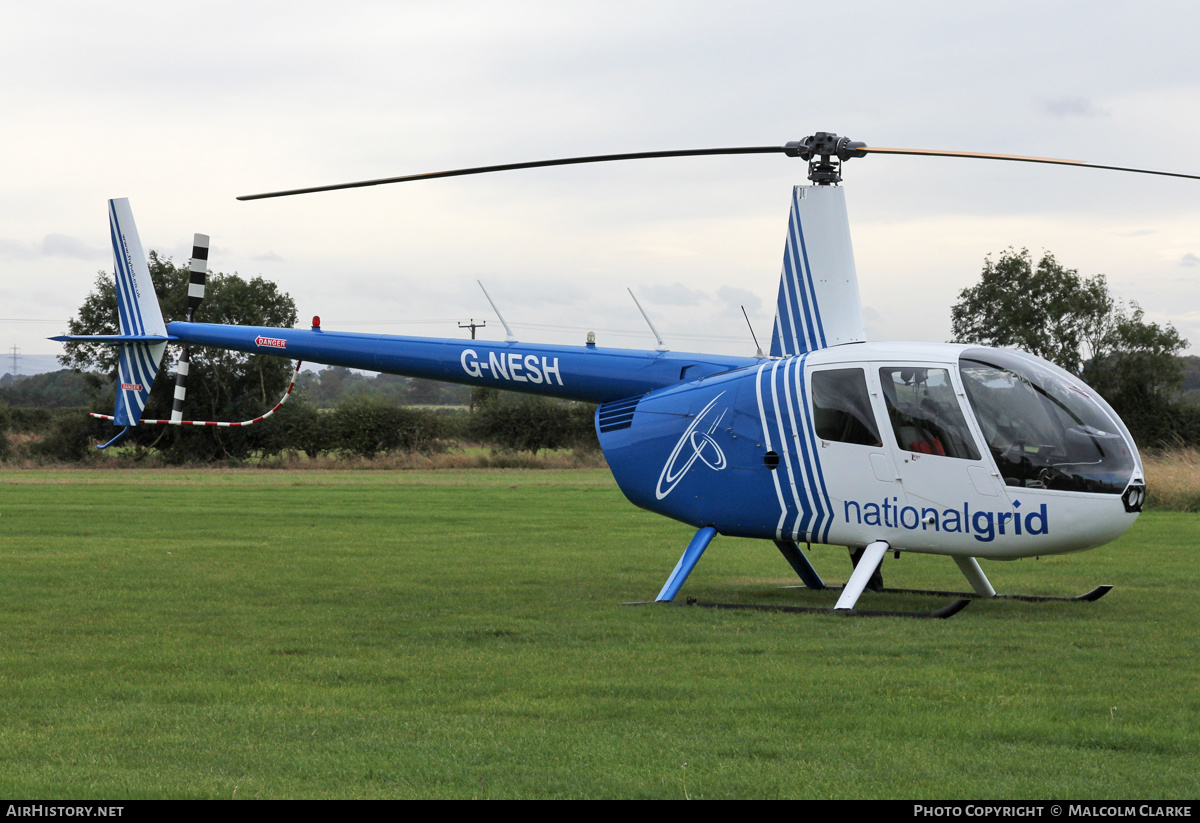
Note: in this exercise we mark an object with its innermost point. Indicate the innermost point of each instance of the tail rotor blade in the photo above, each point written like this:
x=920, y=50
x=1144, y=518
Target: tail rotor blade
x=198, y=275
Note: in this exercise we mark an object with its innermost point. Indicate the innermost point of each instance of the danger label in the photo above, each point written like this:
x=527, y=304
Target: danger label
x=270, y=343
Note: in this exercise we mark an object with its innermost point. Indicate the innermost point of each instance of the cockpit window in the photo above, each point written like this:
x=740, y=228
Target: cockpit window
x=925, y=414
x=842, y=407
x=1044, y=429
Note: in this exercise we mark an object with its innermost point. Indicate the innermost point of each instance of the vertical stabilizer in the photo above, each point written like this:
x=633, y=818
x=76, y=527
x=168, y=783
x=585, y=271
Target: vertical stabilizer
x=136, y=369
x=137, y=305
x=818, y=289
x=138, y=314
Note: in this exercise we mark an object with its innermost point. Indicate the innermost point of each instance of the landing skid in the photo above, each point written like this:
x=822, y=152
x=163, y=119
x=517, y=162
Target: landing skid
x=1088, y=597
x=949, y=610
x=866, y=565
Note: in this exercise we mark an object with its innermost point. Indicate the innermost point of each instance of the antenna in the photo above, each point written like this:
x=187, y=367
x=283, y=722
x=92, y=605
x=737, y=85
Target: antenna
x=657, y=336
x=509, y=336
x=758, y=348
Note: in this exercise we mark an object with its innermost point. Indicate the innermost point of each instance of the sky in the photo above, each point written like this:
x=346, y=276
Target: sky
x=183, y=107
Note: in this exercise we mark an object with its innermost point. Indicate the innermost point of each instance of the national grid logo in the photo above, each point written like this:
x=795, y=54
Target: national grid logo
x=672, y=473
x=982, y=525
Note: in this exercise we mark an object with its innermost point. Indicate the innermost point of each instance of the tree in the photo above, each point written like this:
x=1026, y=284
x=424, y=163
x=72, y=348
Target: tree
x=1075, y=323
x=521, y=422
x=1049, y=311
x=222, y=385
x=1137, y=370
x=367, y=426
x=53, y=390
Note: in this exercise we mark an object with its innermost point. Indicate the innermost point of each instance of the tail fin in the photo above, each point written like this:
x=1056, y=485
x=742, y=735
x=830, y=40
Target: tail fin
x=143, y=337
x=137, y=306
x=818, y=290
x=136, y=371
x=139, y=314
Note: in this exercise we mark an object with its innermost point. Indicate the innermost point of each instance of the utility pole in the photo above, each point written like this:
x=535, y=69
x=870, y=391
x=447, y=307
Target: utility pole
x=472, y=326
x=16, y=357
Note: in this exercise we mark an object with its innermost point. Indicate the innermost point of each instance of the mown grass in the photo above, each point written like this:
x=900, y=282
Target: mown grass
x=461, y=634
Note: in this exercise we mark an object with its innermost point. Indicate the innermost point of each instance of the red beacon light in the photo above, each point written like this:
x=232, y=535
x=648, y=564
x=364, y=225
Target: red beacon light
x=316, y=322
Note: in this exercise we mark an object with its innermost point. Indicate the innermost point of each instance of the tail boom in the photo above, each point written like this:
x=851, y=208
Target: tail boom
x=587, y=373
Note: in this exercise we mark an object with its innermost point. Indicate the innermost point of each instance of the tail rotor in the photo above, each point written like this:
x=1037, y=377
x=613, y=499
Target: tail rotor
x=196, y=283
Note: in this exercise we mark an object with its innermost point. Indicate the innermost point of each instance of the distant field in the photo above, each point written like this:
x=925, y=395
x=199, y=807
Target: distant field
x=1173, y=479
x=258, y=633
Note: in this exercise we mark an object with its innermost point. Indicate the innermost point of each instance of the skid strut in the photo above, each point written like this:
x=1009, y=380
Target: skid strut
x=691, y=556
x=872, y=556
x=799, y=563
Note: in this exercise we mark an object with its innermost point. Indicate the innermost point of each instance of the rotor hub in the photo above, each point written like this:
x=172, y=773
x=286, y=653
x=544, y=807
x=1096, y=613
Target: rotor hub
x=825, y=153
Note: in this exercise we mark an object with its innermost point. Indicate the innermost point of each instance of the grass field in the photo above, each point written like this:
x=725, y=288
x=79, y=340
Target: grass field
x=460, y=634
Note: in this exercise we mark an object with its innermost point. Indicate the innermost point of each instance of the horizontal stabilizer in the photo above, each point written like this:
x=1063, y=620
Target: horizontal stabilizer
x=115, y=339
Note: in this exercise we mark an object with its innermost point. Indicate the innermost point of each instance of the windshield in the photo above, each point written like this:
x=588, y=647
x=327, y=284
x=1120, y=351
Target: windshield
x=1045, y=429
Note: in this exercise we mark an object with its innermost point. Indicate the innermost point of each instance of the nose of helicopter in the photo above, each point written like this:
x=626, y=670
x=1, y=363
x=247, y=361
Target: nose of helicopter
x=1134, y=497
x=1077, y=522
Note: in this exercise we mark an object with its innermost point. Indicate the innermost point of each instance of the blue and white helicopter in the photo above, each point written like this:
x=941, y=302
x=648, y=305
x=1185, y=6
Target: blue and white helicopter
x=957, y=450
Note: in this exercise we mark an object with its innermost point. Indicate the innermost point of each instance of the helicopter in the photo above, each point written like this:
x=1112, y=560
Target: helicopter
x=956, y=450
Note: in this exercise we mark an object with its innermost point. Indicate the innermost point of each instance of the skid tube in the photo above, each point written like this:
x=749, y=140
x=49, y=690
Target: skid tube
x=1087, y=597
x=949, y=610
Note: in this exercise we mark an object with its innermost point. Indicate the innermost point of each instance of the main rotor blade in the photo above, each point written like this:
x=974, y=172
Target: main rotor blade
x=1022, y=159
x=565, y=161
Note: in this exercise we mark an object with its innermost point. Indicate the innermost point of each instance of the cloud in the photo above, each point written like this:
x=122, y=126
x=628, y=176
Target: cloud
x=740, y=297
x=1189, y=259
x=52, y=245
x=63, y=245
x=675, y=294
x=877, y=326
x=1073, y=107
x=15, y=250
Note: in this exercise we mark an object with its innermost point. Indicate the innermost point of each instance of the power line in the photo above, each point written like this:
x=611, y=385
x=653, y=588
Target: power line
x=540, y=326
